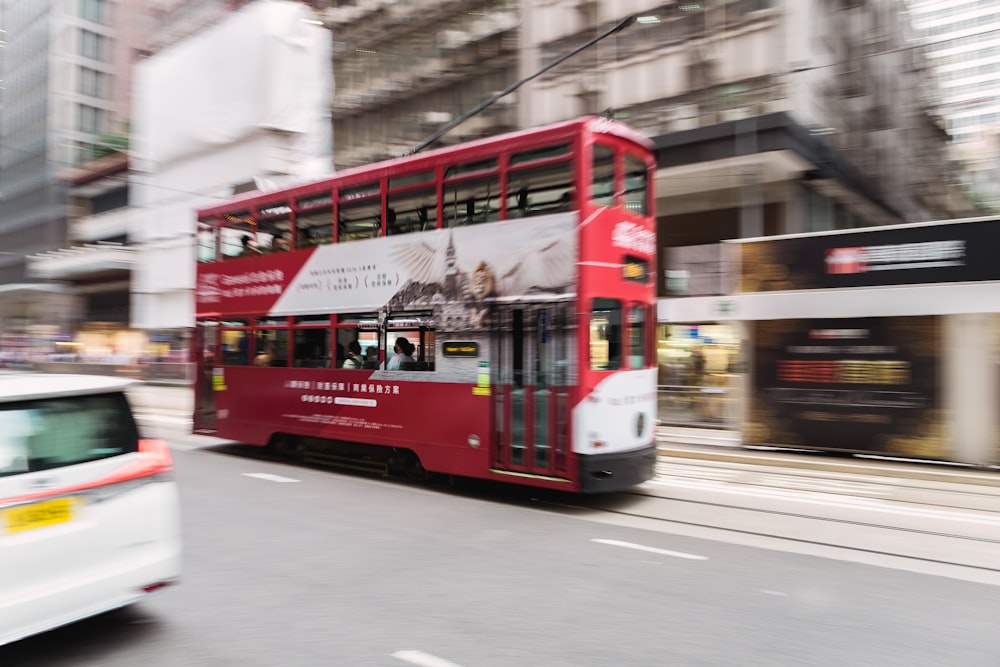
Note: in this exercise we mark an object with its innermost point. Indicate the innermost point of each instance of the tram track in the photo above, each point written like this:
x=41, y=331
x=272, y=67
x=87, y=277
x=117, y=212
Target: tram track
x=662, y=508
x=793, y=529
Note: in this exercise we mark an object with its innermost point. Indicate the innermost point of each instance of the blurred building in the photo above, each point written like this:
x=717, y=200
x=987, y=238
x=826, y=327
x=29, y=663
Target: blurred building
x=403, y=69
x=963, y=45
x=65, y=98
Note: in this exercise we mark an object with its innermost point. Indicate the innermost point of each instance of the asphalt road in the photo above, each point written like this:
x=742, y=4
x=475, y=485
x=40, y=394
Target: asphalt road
x=289, y=565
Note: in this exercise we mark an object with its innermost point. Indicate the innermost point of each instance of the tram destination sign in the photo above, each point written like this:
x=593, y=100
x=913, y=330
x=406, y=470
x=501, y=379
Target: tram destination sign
x=905, y=255
x=467, y=349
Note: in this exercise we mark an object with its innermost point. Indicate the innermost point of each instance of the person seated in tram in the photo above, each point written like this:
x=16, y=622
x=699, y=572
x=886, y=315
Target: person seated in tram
x=305, y=238
x=280, y=242
x=266, y=355
x=521, y=211
x=371, y=357
x=403, y=355
x=354, y=359
x=249, y=246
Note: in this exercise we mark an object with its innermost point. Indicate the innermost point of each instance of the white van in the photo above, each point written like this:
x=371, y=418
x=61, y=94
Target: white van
x=89, y=510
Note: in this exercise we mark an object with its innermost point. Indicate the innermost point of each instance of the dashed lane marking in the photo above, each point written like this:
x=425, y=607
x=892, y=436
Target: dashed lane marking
x=652, y=550
x=422, y=659
x=270, y=478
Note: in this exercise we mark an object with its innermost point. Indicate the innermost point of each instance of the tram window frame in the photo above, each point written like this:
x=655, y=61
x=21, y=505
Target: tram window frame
x=554, y=152
x=402, y=217
x=235, y=226
x=304, y=328
x=272, y=226
x=637, y=336
x=537, y=178
x=362, y=327
x=359, y=212
x=319, y=223
x=633, y=165
x=486, y=199
x=610, y=335
x=599, y=164
x=207, y=238
x=281, y=331
x=243, y=356
x=420, y=325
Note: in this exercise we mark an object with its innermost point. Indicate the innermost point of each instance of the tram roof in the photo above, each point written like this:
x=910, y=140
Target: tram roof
x=522, y=138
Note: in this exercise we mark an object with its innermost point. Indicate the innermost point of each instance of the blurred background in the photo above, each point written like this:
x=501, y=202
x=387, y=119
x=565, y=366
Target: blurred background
x=119, y=117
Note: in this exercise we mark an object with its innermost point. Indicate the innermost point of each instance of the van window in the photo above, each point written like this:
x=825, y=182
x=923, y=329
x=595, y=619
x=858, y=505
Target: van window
x=51, y=433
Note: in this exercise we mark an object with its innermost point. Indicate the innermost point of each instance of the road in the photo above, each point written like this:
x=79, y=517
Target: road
x=292, y=565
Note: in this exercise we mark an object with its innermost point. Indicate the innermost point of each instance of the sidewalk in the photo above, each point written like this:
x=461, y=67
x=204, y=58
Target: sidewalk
x=723, y=447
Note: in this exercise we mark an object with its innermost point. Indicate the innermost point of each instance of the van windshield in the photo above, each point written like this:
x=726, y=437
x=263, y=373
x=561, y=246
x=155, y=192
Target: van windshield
x=54, y=432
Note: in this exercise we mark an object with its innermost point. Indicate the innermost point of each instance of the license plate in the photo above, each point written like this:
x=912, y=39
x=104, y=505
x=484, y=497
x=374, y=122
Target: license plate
x=39, y=515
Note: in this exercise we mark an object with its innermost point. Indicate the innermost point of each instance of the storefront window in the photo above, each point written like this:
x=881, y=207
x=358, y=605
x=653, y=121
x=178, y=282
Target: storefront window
x=698, y=366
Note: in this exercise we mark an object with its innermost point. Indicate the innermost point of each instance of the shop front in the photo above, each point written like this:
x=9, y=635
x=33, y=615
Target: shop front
x=698, y=371
x=883, y=341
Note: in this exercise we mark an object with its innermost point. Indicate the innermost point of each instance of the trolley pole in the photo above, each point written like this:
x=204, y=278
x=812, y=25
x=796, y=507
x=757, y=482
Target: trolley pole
x=615, y=29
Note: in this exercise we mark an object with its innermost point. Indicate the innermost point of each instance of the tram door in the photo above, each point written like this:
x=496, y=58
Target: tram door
x=205, y=345
x=530, y=388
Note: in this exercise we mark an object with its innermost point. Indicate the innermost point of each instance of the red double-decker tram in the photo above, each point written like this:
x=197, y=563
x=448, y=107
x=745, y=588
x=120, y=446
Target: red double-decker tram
x=484, y=310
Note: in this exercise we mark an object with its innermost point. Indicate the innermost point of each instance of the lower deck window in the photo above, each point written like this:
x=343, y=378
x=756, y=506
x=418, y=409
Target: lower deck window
x=605, y=335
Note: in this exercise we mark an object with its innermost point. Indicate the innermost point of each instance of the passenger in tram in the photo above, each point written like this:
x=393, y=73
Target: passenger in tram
x=249, y=246
x=280, y=243
x=371, y=357
x=566, y=201
x=305, y=238
x=403, y=355
x=522, y=205
x=354, y=359
x=266, y=355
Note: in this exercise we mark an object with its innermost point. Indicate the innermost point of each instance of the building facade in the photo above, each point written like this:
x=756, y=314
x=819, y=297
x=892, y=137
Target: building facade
x=962, y=40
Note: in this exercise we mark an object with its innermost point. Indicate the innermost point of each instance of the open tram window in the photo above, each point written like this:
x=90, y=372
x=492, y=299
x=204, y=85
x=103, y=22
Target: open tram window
x=636, y=190
x=314, y=227
x=208, y=240
x=361, y=327
x=605, y=335
x=311, y=337
x=275, y=222
x=418, y=329
x=236, y=228
x=234, y=342
x=271, y=342
x=360, y=213
x=411, y=211
x=603, y=176
x=539, y=190
x=471, y=202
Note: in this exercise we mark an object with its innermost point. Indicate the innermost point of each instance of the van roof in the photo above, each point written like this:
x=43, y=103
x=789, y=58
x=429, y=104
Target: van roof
x=25, y=386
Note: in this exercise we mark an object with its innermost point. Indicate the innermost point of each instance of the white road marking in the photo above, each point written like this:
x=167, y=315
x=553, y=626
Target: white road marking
x=832, y=500
x=652, y=550
x=422, y=659
x=777, y=593
x=269, y=477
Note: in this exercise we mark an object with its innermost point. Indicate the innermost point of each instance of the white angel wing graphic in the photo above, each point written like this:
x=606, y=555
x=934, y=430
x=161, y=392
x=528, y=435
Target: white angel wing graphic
x=422, y=261
x=549, y=266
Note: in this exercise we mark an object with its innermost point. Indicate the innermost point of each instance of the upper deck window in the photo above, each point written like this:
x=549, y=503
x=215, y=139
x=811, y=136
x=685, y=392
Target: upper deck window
x=539, y=190
x=360, y=213
x=536, y=154
x=636, y=191
x=603, y=188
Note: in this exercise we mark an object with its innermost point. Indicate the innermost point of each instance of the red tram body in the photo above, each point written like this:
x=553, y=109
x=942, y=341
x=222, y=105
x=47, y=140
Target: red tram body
x=521, y=268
